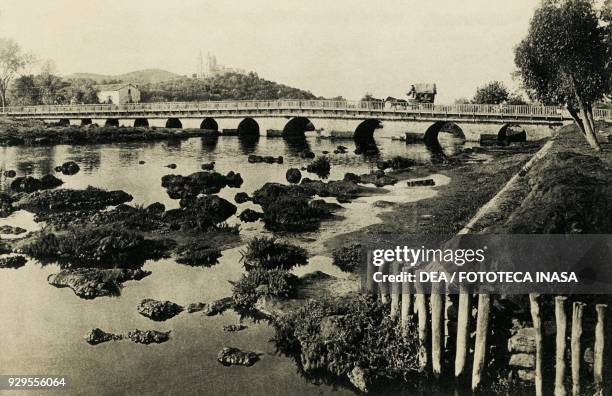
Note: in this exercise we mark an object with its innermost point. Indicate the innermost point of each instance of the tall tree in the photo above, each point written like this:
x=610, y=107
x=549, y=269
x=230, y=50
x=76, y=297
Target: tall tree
x=494, y=92
x=12, y=61
x=565, y=59
x=24, y=91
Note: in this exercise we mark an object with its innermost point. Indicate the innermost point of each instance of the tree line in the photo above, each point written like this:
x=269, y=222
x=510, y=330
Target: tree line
x=227, y=86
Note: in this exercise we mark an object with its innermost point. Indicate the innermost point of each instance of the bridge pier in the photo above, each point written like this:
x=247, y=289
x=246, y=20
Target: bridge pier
x=86, y=121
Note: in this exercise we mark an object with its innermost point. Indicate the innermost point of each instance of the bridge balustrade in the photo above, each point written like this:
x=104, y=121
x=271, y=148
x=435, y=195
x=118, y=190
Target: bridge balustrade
x=332, y=105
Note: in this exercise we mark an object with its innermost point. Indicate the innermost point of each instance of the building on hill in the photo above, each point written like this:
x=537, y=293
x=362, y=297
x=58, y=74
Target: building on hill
x=118, y=93
x=211, y=67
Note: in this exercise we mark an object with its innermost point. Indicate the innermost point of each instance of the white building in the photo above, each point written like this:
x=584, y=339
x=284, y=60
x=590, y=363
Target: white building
x=118, y=93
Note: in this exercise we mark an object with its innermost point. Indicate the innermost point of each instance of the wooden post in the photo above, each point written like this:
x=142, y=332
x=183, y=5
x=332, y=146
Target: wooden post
x=575, y=346
x=534, y=300
x=561, y=321
x=370, y=285
x=421, y=306
x=437, y=324
x=480, y=348
x=395, y=291
x=406, y=305
x=384, y=291
x=599, y=348
x=463, y=330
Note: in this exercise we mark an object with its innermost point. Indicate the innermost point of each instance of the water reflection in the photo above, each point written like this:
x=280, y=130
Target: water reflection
x=367, y=148
x=209, y=144
x=295, y=145
x=88, y=157
x=248, y=143
x=33, y=160
x=174, y=145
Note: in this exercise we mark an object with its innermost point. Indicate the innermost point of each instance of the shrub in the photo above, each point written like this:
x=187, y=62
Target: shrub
x=106, y=245
x=348, y=258
x=268, y=253
x=320, y=166
x=198, y=253
x=338, y=334
x=261, y=282
x=293, y=214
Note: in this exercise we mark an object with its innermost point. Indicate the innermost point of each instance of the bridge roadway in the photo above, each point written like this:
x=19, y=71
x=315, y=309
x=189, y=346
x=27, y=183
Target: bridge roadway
x=328, y=117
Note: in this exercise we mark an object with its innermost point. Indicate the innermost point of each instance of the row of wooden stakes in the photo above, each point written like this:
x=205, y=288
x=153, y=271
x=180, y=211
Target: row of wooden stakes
x=405, y=303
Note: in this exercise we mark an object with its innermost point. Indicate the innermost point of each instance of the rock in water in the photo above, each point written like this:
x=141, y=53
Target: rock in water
x=307, y=154
x=199, y=183
x=379, y=179
x=26, y=184
x=396, y=163
x=6, y=205
x=212, y=207
x=66, y=199
x=4, y=248
x=50, y=181
x=196, y=307
x=98, y=336
x=250, y=215
x=209, y=166
x=218, y=306
x=29, y=184
x=148, y=336
x=12, y=262
x=293, y=175
x=420, y=183
x=234, y=327
x=158, y=310
x=10, y=173
x=241, y=197
x=90, y=283
x=10, y=230
x=229, y=356
x=69, y=168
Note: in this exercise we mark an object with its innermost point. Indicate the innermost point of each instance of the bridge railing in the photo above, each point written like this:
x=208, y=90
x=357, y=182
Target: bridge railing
x=289, y=105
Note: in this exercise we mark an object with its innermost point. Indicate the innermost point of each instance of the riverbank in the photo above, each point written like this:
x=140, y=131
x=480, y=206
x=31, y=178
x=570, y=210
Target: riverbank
x=568, y=190
x=37, y=133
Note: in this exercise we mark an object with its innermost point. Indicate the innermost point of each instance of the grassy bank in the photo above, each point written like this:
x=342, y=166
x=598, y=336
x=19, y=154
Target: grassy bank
x=569, y=191
x=36, y=132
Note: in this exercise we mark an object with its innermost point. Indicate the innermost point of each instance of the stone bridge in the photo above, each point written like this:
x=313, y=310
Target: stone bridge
x=339, y=119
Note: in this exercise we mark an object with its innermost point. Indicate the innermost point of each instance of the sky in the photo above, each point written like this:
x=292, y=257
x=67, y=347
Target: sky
x=329, y=47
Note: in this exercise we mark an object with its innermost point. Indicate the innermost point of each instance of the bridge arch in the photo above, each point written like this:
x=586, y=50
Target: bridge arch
x=297, y=126
x=431, y=134
x=365, y=130
x=141, y=123
x=112, y=122
x=86, y=121
x=510, y=133
x=174, y=123
x=209, y=123
x=248, y=126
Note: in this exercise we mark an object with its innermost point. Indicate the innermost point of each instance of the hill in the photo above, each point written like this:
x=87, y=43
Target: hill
x=146, y=76
x=228, y=86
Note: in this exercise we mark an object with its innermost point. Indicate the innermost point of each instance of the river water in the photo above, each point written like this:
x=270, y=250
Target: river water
x=42, y=328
